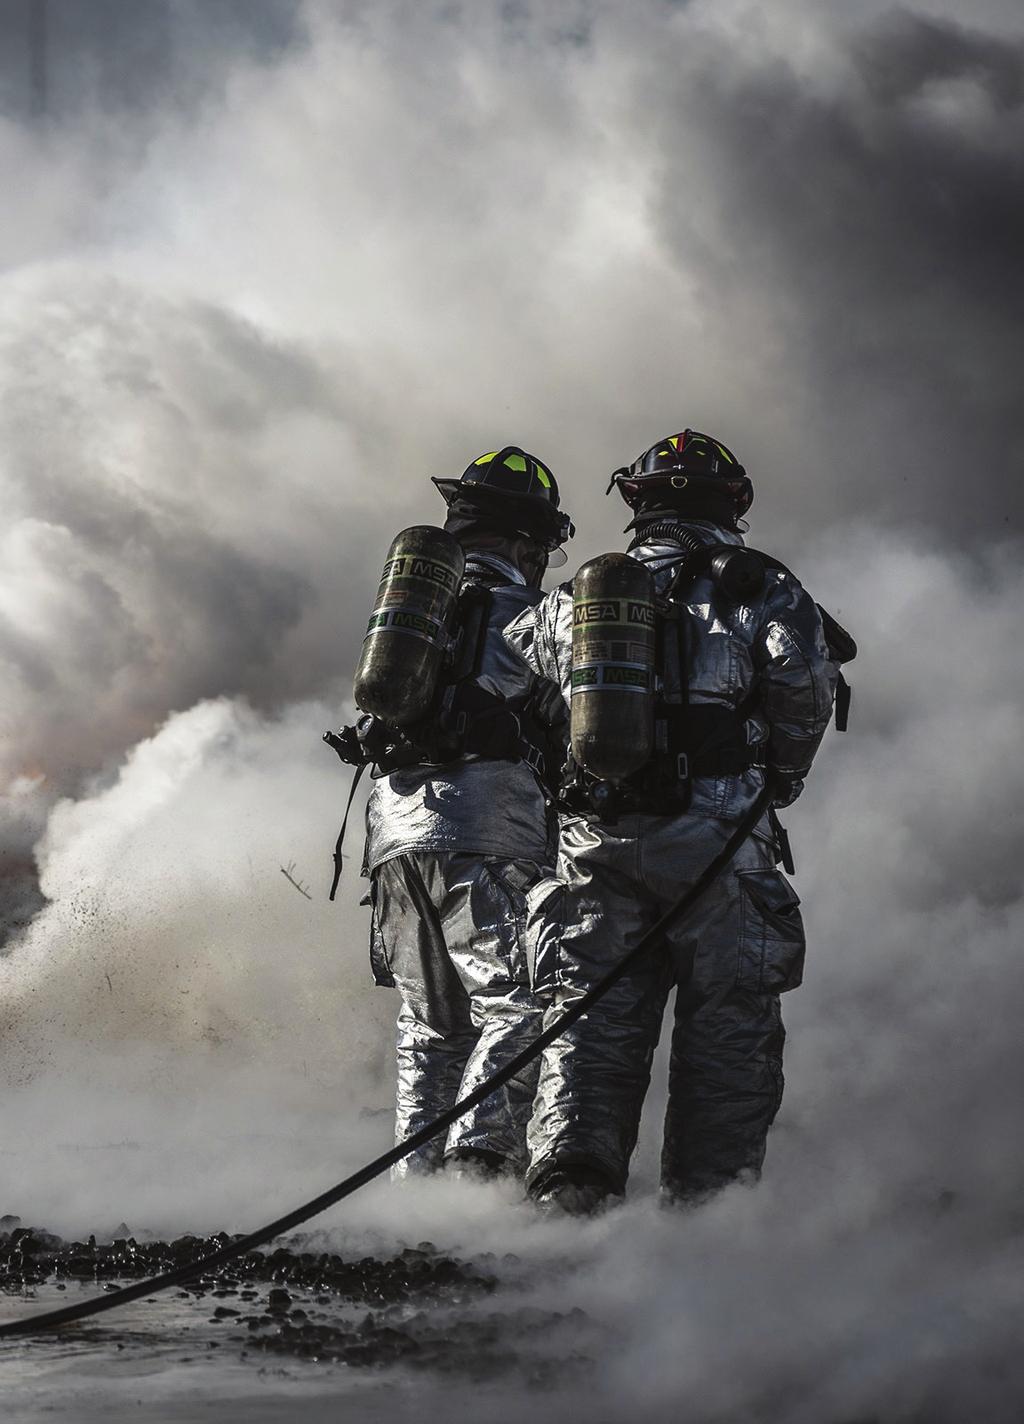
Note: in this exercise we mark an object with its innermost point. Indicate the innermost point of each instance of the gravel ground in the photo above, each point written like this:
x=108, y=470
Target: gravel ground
x=281, y=1332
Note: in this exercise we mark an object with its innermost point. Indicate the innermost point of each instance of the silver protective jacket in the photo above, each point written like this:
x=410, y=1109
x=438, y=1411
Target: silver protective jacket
x=770, y=655
x=475, y=804
x=731, y=958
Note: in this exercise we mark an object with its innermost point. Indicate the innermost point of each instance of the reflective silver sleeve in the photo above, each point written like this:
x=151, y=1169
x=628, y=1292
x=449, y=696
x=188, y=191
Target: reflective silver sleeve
x=796, y=676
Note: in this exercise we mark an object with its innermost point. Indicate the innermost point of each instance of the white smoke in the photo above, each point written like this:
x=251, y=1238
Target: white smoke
x=179, y=992
x=230, y=359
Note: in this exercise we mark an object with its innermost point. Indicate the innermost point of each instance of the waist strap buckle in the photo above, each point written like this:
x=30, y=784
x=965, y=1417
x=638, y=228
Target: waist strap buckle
x=533, y=757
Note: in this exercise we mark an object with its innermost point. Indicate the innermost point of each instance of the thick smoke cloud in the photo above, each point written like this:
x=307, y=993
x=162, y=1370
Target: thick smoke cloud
x=231, y=355
x=173, y=479
x=869, y=220
x=149, y=558
x=179, y=992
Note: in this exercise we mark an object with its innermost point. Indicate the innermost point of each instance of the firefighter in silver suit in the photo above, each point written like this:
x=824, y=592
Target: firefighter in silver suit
x=455, y=841
x=751, y=686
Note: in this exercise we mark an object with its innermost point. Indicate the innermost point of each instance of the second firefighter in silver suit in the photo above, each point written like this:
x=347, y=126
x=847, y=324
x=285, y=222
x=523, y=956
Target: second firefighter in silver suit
x=453, y=846
x=766, y=666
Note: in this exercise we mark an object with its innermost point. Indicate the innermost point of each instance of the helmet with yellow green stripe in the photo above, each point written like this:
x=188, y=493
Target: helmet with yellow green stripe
x=691, y=472
x=512, y=491
x=513, y=471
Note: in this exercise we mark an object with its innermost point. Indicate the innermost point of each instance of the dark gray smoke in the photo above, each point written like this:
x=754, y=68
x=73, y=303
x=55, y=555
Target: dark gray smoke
x=856, y=237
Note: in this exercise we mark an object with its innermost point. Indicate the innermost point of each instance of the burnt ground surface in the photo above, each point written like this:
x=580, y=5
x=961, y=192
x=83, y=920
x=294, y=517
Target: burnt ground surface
x=419, y=1309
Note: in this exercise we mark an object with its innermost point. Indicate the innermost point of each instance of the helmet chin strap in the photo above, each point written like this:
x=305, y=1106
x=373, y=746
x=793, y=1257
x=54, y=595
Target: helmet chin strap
x=616, y=475
x=538, y=568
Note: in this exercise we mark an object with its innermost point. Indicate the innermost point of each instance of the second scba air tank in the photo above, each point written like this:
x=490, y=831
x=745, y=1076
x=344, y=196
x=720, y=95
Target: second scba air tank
x=407, y=637
x=613, y=667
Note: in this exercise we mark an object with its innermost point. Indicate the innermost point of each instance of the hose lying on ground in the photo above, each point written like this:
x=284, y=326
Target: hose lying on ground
x=242, y=1244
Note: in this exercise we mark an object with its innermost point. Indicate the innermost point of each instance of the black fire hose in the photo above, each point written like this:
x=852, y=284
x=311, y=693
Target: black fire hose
x=95, y=1306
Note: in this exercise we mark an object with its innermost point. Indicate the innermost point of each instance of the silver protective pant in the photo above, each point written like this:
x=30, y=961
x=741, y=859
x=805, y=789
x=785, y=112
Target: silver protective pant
x=741, y=946
x=447, y=930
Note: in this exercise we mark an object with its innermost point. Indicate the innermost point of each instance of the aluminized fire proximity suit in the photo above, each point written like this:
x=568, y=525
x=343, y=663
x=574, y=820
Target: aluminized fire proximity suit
x=451, y=850
x=744, y=939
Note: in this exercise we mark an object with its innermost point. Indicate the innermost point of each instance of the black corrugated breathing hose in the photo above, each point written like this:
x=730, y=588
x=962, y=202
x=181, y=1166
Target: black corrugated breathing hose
x=96, y=1305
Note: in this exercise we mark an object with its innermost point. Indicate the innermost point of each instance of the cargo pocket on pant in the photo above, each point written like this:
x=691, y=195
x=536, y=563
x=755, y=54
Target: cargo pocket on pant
x=772, y=942
x=542, y=938
x=379, y=965
x=513, y=878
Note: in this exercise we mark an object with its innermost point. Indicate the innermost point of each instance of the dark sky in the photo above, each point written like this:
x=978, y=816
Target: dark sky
x=130, y=54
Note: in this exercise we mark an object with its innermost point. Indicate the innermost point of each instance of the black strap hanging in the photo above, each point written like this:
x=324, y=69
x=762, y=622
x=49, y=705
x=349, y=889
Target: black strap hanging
x=338, y=857
x=843, y=697
x=782, y=841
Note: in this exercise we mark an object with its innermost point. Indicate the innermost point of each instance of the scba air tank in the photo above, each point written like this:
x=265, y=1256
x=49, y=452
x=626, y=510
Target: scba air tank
x=613, y=649
x=407, y=636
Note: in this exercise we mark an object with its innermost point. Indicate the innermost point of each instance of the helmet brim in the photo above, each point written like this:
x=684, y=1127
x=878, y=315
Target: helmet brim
x=517, y=513
x=677, y=487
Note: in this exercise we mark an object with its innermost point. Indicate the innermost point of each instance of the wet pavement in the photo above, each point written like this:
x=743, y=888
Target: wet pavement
x=278, y=1326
